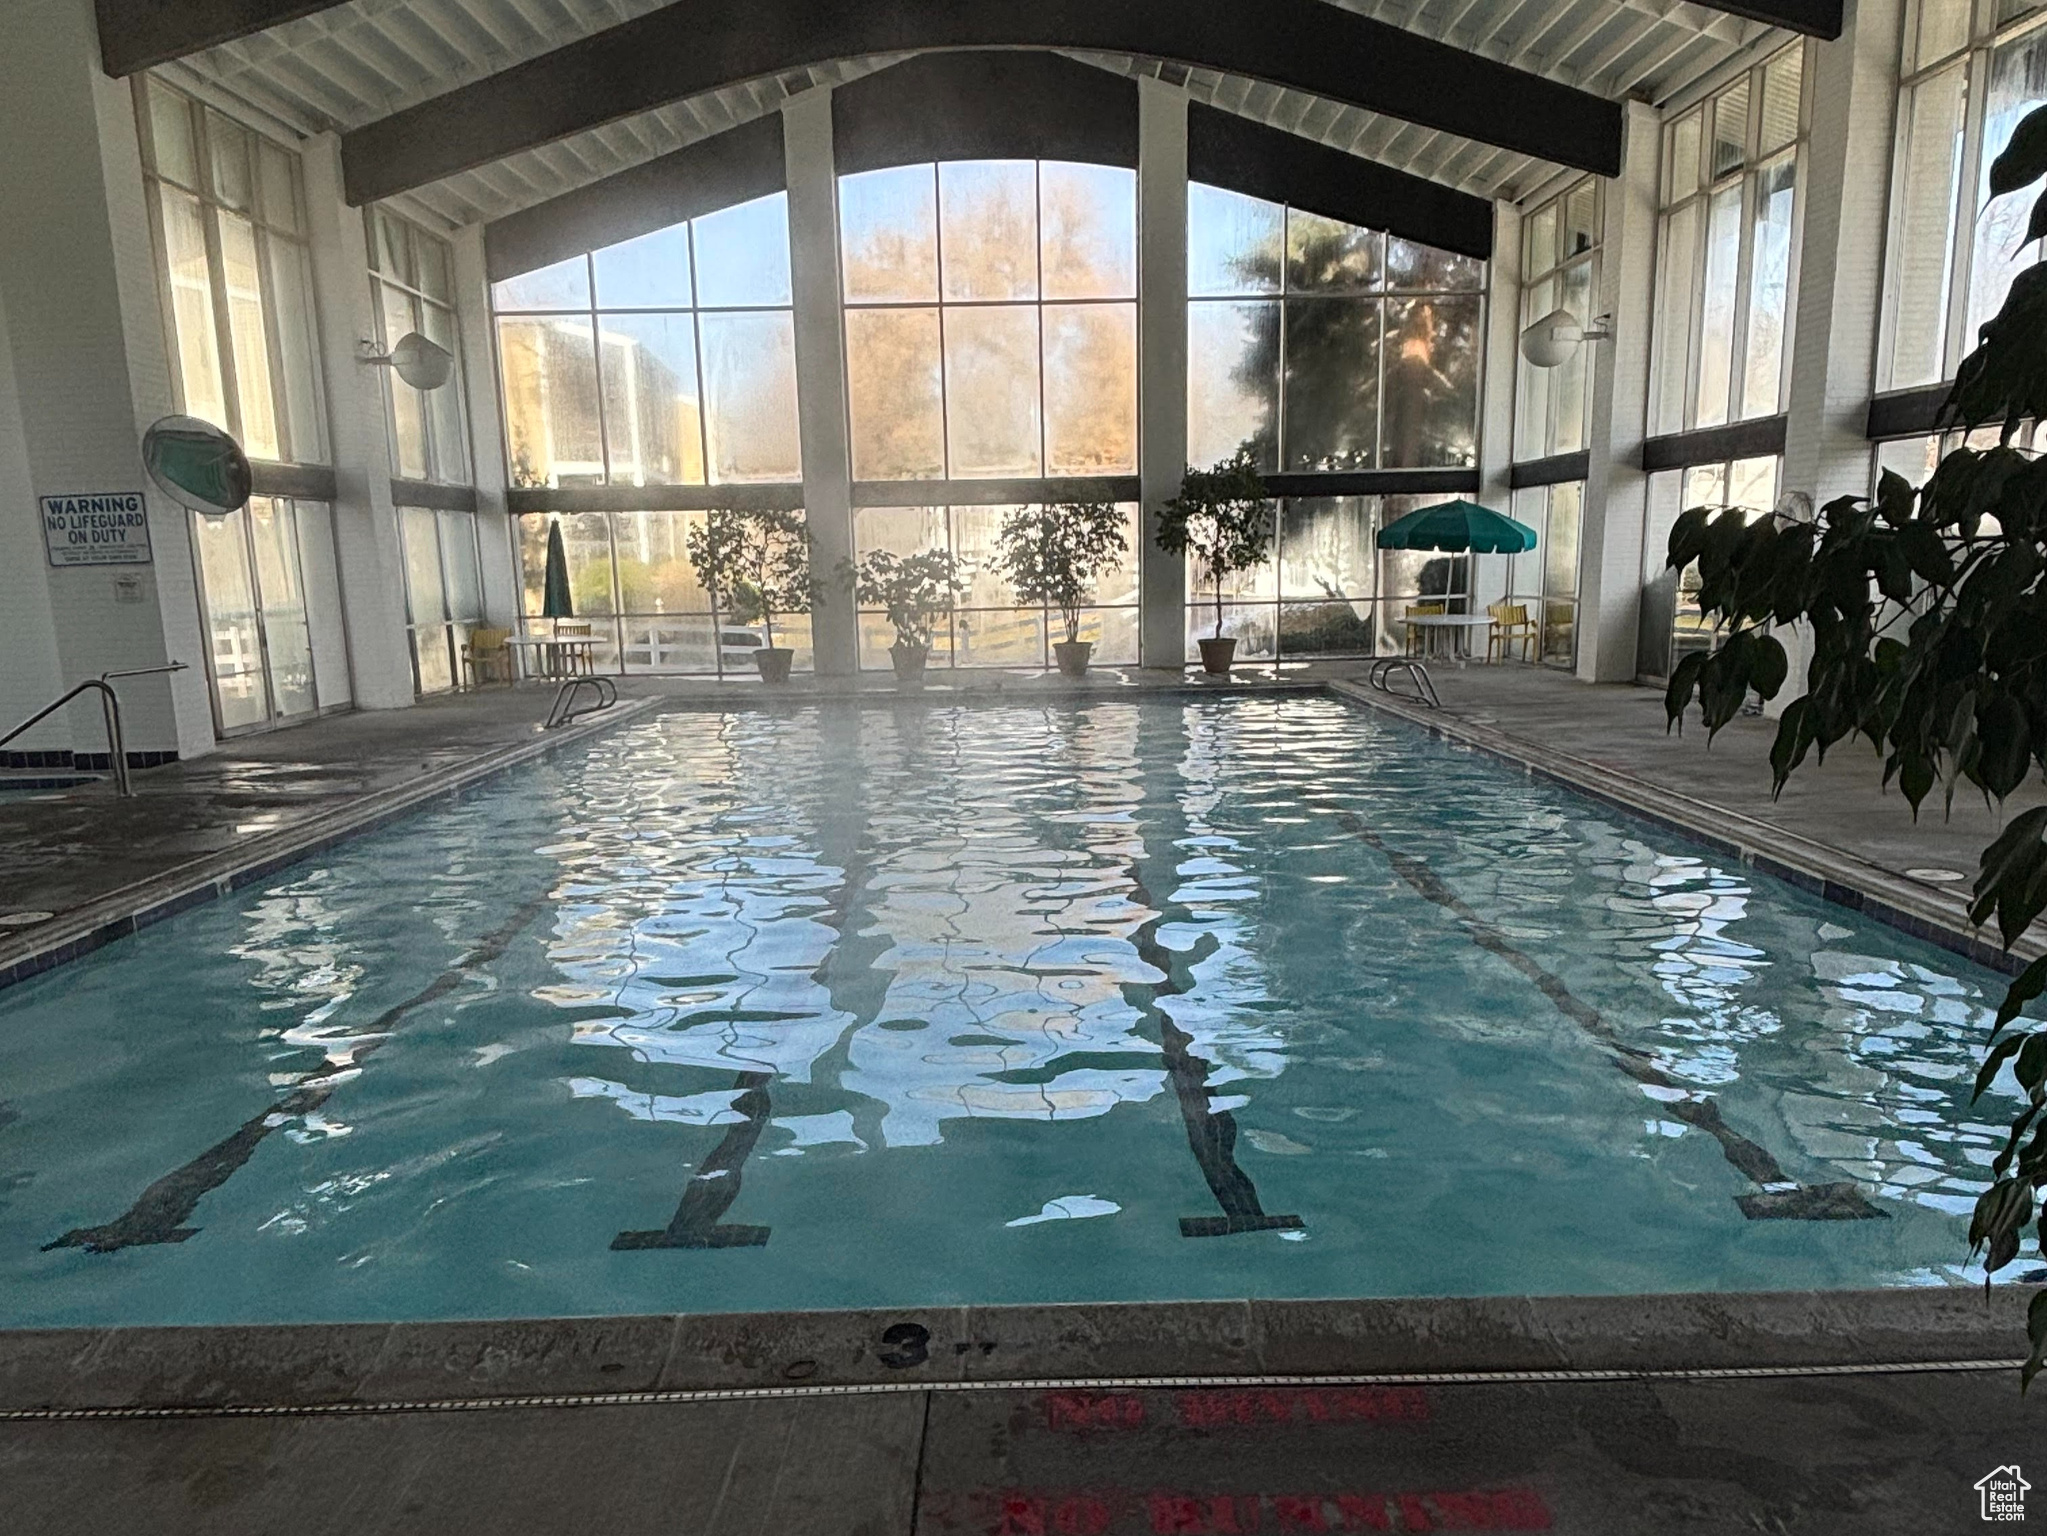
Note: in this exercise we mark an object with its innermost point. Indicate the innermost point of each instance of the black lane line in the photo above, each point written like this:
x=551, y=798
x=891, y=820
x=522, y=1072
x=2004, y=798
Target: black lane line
x=710, y=1191
x=715, y=1185
x=158, y=1215
x=1838, y=1201
x=1211, y=1134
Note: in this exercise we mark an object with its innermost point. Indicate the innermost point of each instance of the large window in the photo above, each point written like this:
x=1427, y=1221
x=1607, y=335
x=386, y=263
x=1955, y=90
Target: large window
x=1545, y=580
x=1329, y=590
x=412, y=280
x=989, y=628
x=991, y=320
x=270, y=595
x=235, y=278
x=1969, y=77
x=669, y=359
x=1672, y=624
x=1322, y=346
x=1725, y=242
x=443, y=593
x=1560, y=270
x=631, y=581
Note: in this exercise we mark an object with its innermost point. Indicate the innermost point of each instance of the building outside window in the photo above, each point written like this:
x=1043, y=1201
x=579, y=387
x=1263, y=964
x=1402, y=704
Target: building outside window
x=1726, y=250
x=228, y=214
x=412, y=283
x=1969, y=76
x=665, y=360
x=1325, y=348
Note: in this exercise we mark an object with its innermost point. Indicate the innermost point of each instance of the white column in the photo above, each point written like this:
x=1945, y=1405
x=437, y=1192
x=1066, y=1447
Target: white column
x=495, y=534
x=1833, y=343
x=91, y=370
x=1161, y=360
x=28, y=632
x=821, y=372
x=365, y=522
x=1616, y=489
x=1496, y=419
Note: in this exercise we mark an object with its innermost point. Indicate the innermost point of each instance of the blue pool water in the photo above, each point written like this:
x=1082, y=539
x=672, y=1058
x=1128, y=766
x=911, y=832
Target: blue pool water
x=842, y=1006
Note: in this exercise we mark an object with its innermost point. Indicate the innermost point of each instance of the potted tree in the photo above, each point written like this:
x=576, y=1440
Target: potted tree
x=1052, y=555
x=755, y=563
x=915, y=591
x=1221, y=518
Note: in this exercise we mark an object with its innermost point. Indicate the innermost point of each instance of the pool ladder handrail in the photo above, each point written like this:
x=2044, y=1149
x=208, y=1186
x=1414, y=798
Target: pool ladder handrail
x=564, y=709
x=110, y=709
x=1380, y=677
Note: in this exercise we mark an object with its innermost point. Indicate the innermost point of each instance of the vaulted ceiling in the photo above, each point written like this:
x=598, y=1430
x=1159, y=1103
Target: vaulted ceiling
x=350, y=65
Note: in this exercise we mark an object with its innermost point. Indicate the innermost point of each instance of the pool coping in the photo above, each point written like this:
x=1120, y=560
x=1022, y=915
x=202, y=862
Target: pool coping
x=543, y=1362
x=144, y=903
x=1818, y=868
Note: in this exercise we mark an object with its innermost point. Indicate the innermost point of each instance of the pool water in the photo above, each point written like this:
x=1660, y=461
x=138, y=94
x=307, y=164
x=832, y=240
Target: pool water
x=834, y=1006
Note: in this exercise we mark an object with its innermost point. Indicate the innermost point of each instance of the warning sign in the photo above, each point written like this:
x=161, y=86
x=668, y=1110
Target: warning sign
x=108, y=528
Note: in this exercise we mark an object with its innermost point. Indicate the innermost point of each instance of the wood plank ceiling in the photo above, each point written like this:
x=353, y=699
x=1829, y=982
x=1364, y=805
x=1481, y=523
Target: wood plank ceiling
x=365, y=59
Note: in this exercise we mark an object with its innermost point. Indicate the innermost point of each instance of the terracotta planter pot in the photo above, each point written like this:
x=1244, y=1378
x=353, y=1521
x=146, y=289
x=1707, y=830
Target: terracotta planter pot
x=1073, y=656
x=774, y=664
x=908, y=661
x=1216, y=656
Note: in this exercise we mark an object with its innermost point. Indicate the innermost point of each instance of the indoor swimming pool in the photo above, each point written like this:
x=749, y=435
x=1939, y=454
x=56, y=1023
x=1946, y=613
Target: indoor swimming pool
x=844, y=1006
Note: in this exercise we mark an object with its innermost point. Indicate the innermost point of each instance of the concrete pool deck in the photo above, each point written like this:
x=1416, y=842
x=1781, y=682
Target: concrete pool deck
x=1848, y=1412
x=1823, y=1412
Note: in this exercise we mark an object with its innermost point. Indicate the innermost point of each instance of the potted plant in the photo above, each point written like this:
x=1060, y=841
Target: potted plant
x=1052, y=555
x=1221, y=518
x=914, y=590
x=755, y=563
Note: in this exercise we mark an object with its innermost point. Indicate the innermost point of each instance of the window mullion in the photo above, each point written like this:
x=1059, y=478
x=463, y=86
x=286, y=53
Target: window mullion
x=1977, y=92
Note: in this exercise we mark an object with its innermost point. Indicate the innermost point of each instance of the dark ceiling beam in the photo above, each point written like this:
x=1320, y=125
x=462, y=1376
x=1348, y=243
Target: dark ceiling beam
x=1240, y=155
x=735, y=166
x=1006, y=104
x=690, y=48
x=1815, y=18
x=138, y=34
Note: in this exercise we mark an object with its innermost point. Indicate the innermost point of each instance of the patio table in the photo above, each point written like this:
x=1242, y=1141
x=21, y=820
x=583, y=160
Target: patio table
x=1449, y=633
x=554, y=655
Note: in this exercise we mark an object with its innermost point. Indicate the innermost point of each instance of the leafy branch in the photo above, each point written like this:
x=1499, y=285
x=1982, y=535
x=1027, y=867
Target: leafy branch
x=1927, y=613
x=1223, y=518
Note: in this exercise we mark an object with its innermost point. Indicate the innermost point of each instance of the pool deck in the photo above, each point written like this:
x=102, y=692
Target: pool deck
x=1792, y=1413
x=1834, y=1412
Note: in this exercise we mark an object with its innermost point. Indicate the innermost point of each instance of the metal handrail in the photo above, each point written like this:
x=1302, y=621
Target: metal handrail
x=564, y=709
x=110, y=709
x=1424, y=687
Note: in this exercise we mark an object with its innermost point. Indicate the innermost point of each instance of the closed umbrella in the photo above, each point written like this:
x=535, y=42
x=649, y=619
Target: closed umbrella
x=555, y=602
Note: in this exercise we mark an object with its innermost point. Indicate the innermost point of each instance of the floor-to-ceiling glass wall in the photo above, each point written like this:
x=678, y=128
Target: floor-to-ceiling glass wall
x=252, y=574
x=443, y=593
x=235, y=284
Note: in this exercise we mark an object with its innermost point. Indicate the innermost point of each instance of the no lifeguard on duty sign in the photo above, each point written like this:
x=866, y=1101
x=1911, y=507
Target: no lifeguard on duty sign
x=105, y=528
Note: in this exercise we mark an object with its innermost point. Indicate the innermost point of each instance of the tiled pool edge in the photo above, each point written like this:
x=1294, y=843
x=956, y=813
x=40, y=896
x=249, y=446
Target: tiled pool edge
x=147, y=902
x=1812, y=866
x=390, y=1367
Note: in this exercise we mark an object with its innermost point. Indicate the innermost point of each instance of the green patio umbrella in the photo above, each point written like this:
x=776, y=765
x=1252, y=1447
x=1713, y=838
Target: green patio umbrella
x=1459, y=525
x=555, y=602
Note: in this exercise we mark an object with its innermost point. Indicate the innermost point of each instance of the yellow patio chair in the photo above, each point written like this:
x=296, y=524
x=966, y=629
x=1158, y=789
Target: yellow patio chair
x=1414, y=631
x=486, y=657
x=1511, y=626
